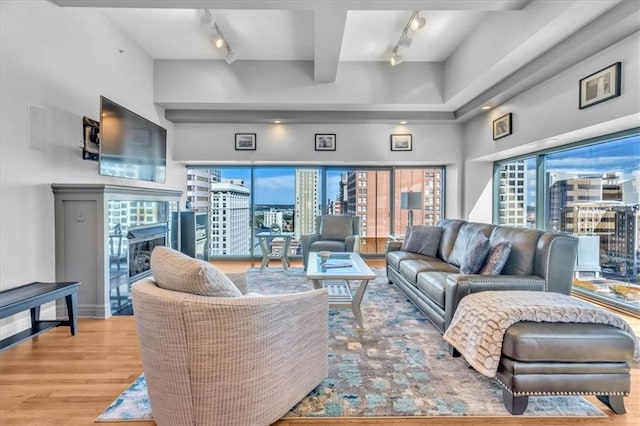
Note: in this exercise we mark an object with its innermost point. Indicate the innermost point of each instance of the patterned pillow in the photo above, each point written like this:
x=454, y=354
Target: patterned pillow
x=423, y=240
x=476, y=254
x=498, y=257
x=176, y=271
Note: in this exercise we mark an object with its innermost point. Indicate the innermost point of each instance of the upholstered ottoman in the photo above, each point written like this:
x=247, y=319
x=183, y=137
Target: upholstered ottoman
x=544, y=358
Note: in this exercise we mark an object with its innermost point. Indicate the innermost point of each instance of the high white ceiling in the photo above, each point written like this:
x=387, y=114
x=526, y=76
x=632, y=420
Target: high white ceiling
x=285, y=35
x=470, y=53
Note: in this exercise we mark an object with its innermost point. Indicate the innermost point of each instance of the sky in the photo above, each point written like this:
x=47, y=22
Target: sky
x=276, y=185
x=622, y=155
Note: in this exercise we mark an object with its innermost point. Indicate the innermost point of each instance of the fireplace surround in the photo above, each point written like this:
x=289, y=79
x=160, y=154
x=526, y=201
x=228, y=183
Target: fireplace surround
x=87, y=227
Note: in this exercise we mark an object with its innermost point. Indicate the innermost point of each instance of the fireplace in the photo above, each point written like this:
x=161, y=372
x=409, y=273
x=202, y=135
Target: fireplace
x=142, y=241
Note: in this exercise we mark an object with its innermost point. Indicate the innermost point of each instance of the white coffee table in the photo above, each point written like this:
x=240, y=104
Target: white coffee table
x=341, y=267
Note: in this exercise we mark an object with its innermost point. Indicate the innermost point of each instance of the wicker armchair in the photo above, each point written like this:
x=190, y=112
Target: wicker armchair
x=229, y=360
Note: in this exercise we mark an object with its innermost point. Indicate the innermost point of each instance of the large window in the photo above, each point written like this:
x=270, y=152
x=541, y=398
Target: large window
x=243, y=201
x=429, y=182
x=364, y=193
x=592, y=191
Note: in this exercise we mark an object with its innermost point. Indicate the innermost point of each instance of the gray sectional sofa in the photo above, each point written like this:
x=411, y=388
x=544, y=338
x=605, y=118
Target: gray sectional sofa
x=538, y=260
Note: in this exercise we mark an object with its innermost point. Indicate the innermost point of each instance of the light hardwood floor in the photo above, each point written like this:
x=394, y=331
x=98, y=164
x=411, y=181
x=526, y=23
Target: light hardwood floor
x=57, y=379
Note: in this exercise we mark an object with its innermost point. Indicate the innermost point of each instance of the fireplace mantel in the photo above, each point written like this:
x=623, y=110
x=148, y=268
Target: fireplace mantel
x=82, y=237
x=131, y=192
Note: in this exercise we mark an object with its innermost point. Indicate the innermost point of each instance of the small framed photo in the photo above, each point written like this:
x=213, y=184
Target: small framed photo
x=502, y=126
x=401, y=142
x=325, y=142
x=600, y=86
x=245, y=141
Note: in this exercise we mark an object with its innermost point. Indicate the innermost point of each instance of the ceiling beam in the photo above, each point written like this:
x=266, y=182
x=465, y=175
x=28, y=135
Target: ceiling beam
x=487, y=5
x=303, y=117
x=328, y=30
x=615, y=25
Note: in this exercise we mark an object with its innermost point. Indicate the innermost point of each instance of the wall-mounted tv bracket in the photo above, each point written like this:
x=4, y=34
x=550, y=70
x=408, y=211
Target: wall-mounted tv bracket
x=91, y=134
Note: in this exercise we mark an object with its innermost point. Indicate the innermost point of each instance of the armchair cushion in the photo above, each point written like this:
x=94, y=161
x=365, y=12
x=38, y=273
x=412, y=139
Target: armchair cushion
x=176, y=271
x=423, y=240
x=336, y=227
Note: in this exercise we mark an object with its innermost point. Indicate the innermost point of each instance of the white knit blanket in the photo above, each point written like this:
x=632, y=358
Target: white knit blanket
x=479, y=324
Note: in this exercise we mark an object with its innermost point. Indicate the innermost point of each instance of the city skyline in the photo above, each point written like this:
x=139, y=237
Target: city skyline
x=276, y=185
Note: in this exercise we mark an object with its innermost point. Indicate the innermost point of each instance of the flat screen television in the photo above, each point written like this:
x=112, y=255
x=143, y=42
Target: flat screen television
x=130, y=145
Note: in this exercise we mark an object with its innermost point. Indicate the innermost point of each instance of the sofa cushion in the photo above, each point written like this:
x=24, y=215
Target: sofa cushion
x=395, y=257
x=523, y=248
x=497, y=258
x=476, y=254
x=465, y=235
x=327, y=245
x=450, y=229
x=433, y=284
x=176, y=271
x=410, y=269
x=544, y=341
x=422, y=239
x=336, y=227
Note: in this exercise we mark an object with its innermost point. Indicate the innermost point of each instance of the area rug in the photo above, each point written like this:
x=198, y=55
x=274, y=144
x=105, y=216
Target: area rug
x=398, y=365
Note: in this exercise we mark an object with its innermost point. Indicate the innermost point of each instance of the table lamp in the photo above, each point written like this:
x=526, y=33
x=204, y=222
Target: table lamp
x=411, y=201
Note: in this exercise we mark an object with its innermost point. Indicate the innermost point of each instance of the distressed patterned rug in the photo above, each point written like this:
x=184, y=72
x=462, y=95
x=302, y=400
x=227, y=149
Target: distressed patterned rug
x=397, y=366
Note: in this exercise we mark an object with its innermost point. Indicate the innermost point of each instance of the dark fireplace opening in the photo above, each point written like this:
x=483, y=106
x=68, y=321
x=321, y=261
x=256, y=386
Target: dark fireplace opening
x=142, y=241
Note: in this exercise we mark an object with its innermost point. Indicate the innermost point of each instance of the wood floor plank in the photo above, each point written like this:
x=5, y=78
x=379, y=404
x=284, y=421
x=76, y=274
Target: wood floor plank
x=56, y=379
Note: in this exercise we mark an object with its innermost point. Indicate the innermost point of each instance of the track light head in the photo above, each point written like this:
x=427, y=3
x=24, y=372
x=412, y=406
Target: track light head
x=395, y=58
x=417, y=22
x=404, y=41
x=206, y=19
x=218, y=41
x=230, y=56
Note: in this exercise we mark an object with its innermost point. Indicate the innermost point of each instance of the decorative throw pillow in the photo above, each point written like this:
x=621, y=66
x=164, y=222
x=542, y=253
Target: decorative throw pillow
x=476, y=254
x=497, y=258
x=422, y=239
x=459, y=250
x=176, y=271
x=336, y=228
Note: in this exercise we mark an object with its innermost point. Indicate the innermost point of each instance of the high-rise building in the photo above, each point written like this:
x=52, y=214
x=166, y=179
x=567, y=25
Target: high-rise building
x=432, y=196
x=199, y=189
x=272, y=217
x=512, y=206
x=307, y=206
x=595, y=205
x=231, y=230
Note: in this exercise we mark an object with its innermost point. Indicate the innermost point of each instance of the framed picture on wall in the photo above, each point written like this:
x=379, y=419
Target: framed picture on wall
x=600, y=86
x=245, y=141
x=325, y=142
x=502, y=126
x=401, y=142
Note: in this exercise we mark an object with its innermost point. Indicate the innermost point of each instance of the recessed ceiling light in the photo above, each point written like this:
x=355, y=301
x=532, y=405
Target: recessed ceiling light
x=486, y=107
x=403, y=122
x=277, y=121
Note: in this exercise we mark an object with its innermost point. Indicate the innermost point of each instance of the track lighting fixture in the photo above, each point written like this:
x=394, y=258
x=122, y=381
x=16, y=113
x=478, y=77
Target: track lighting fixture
x=216, y=37
x=230, y=56
x=395, y=58
x=206, y=19
x=415, y=23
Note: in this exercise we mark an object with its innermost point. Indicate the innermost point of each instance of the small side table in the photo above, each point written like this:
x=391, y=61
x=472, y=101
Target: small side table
x=264, y=238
